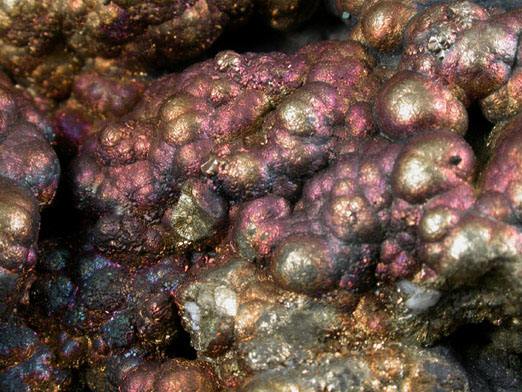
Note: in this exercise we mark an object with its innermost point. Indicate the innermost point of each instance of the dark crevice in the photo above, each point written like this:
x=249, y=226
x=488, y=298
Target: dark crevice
x=478, y=131
x=62, y=218
x=488, y=365
x=257, y=36
x=455, y=160
x=477, y=334
x=180, y=346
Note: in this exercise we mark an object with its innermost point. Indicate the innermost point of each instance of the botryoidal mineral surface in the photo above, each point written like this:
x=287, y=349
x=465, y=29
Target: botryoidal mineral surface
x=314, y=221
x=43, y=43
x=29, y=172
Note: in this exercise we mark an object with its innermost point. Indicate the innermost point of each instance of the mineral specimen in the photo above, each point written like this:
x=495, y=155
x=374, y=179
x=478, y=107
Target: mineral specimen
x=337, y=219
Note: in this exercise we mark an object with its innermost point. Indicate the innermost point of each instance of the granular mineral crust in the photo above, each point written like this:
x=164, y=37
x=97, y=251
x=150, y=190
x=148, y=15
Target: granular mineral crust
x=263, y=338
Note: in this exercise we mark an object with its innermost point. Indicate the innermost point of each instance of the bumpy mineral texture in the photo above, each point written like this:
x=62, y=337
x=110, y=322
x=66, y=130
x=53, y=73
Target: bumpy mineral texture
x=388, y=248
x=231, y=128
x=383, y=24
x=409, y=210
x=43, y=43
x=102, y=316
x=394, y=212
x=29, y=172
x=319, y=221
x=460, y=45
x=172, y=375
x=27, y=364
x=404, y=215
x=363, y=209
x=471, y=49
x=102, y=91
x=360, y=227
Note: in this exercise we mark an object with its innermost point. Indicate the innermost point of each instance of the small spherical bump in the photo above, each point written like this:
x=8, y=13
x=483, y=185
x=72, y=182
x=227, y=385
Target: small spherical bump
x=139, y=379
x=222, y=91
x=105, y=289
x=184, y=375
x=381, y=25
x=175, y=106
x=436, y=223
x=240, y=172
x=19, y=214
x=303, y=264
x=296, y=117
x=431, y=163
x=111, y=135
x=410, y=103
x=310, y=110
x=256, y=228
x=351, y=218
x=227, y=60
x=183, y=129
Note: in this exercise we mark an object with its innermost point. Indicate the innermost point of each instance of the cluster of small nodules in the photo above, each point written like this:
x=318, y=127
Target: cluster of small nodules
x=478, y=59
x=235, y=127
x=470, y=49
x=336, y=182
x=26, y=155
x=103, y=90
x=172, y=375
x=93, y=310
x=29, y=172
x=409, y=206
x=26, y=364
x=361, y=212
x=381, y=24
x=43, y=42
